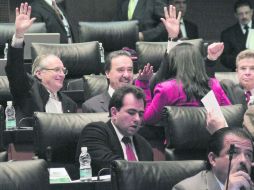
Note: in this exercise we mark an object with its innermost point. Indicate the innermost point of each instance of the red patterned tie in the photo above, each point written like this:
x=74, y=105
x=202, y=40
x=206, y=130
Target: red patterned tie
x=247, y=95
x=129, y=151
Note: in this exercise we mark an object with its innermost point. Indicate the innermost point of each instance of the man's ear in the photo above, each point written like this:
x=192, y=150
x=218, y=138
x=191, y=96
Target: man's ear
x=38, y=74
x=113, y=111
x=211, y=158
x=107, y=74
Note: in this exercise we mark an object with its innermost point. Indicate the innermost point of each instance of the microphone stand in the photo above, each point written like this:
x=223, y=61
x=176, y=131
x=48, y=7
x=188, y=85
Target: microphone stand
x=231, y=153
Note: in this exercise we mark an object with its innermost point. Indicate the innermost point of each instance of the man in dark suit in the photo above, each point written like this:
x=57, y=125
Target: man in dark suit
x=224, y=143
x=188, y=30
x=119, y=72
x=41, y=91
x=106, y=141
x=148, y=13
x=55, y=19
x=240, y=93
x=235, y=36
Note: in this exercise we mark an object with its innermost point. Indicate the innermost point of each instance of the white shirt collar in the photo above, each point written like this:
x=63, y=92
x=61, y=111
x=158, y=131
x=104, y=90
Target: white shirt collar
x=220, y=184
x=110, y=91
x=49, y=2
x=249, y=25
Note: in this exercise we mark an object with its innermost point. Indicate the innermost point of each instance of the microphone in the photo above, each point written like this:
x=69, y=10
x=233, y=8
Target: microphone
x=103, y=170
x=231, y=153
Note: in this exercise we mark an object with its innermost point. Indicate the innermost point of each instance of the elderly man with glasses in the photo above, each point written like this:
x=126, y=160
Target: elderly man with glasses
x=39, y=92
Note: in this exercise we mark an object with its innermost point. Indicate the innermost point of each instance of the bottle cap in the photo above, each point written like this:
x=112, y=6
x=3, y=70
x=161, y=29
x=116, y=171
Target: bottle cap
x=9, y=103
x=83, y=149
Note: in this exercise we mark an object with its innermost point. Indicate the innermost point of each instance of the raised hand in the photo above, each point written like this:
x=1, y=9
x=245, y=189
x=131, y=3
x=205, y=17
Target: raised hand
x=23, y=20
x=214, y=122
x=214, y=50
x=146, y=73
x=171, y=21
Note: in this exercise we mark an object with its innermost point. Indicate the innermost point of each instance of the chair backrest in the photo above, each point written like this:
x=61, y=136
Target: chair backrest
x=3, y=156
x=8, y=29
x=112, y=35
x=159, y=175
x=78, y=58
x=227, y=75
x=185, y=130
x=5, y=94
x=24, y=175
x=153, y=52
x=94, y=85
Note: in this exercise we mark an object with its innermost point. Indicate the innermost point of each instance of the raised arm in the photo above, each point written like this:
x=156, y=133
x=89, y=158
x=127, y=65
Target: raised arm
x=23, y=21
x=171, y=21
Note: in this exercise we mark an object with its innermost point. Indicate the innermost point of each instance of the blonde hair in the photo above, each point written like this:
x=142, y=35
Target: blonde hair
x=245, y=54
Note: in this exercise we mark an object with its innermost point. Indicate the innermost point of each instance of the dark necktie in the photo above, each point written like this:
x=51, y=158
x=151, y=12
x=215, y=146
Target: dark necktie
x=180, y=35
x=246, y=28
x=247, y=95
x=129, y=151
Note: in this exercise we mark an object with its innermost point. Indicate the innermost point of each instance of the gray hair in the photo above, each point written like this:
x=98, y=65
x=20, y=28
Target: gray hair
x=39, y=62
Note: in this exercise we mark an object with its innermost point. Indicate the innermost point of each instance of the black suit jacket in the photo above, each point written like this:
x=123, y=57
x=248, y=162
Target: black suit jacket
x=45, y=13
x=148, y=13
x=97, y=103
x=191, y=29
x=103, y=145
x=234, y=91
x=28, y=93
x=234, y=42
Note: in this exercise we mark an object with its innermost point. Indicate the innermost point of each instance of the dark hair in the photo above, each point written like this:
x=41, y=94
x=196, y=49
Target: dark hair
x=113, y=55
x=185, y=63
x=119, y=94
x=240, y=3
x=216, y=141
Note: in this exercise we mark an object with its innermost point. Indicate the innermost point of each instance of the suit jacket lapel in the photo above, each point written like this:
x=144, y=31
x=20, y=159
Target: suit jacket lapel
x=139, y=151
x=137, y=12
x=115, y=141
x=50, y=9
x=211, y=181
x=105, y=101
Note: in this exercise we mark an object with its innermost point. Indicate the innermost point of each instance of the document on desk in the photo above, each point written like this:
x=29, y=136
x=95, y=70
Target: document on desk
x=58, y=175
x=210, y=103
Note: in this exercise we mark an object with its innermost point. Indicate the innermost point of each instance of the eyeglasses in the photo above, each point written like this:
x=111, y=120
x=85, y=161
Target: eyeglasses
x=57, y=70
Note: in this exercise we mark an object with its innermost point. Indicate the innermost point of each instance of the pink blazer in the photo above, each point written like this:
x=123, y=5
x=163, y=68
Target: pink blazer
x=171, y=93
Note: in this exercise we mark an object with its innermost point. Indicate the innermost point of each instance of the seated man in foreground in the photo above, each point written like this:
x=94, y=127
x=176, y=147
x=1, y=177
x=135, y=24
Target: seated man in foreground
x=117, y=139
x=41, y=91
x=225, y=141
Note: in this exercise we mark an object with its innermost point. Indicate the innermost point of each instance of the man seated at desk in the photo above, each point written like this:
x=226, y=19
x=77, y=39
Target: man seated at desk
x=117, y=139
x=39, y=92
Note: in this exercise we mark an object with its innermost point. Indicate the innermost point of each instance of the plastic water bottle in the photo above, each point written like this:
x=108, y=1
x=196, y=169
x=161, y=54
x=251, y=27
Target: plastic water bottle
x=85, y=165
x=5, y=50
x=10, y=119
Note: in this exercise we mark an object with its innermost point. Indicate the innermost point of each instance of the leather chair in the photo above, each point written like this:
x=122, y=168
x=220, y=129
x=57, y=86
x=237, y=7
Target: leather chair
x=152, y=175
x=24, y=175
x=8, y=29
x=79, y=58
x=94, y=85
x=112, y=35
x=227, y=75
x=185, y=130
x=5, y=94
x=56, y=136
x=153, y=52
x=3, y=156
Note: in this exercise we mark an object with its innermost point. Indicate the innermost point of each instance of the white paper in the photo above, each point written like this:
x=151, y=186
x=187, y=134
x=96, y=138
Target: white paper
x=58, y=175
x=210, y=103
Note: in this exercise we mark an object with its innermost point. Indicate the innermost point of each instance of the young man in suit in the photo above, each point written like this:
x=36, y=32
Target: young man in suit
x=188, y=30
x=53, y=15
x=41, y=90
x=235, y=36
x=106, y=141
x=224, y=143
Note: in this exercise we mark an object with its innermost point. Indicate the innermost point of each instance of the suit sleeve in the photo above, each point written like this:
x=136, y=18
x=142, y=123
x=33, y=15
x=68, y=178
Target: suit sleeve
x=87, y=108
x=96, y=138
x=19, y=80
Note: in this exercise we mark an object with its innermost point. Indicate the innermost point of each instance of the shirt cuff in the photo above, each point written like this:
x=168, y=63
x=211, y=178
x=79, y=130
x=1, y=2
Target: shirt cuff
x=17, y=42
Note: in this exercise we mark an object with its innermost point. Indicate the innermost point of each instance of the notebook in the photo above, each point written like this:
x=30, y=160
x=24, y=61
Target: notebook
x=52, y=38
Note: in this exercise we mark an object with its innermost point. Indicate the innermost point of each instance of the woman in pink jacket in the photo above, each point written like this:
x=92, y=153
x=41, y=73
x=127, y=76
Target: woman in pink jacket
x=182, y=79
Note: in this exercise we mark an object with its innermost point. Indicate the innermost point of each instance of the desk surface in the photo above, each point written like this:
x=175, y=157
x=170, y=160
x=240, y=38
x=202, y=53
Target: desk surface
x=95, y=185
